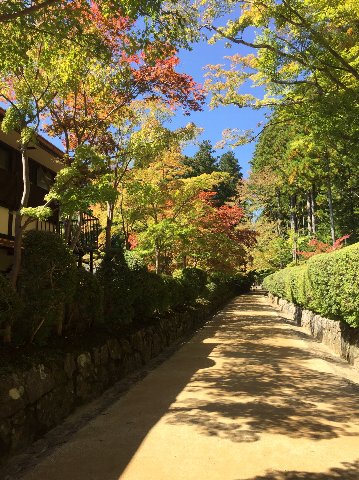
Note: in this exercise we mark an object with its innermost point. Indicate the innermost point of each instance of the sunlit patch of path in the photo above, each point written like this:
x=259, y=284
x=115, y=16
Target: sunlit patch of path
x=249, y=397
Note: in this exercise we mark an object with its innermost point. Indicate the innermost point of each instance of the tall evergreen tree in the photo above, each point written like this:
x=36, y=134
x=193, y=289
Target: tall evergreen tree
x=203, y=161
x=229, y=164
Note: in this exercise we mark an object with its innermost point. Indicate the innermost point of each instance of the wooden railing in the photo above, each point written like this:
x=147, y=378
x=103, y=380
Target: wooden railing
x=83, y=231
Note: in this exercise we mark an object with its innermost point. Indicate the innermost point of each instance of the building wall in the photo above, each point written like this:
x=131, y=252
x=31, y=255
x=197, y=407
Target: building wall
x=5, y=259
x=43, y=166
x=4, y=216
x=6, y=235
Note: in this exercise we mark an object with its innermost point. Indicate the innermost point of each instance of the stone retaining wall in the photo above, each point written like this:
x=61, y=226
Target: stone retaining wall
x=342, y=339
x=35, y=399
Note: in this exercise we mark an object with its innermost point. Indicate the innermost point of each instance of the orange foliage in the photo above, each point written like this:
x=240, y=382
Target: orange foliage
x=321, y=247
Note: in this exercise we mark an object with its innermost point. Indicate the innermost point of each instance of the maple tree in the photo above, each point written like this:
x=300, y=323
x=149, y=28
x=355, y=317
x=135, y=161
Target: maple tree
x=159, y=207
x=169, y=216
x=102, y=64
x=315, y=247
x=223, y=238
x=94, y=110
x=29, y=82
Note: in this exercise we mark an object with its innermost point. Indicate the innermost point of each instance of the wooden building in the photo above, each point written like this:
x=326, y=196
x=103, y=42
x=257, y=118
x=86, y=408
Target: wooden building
x=45, y=160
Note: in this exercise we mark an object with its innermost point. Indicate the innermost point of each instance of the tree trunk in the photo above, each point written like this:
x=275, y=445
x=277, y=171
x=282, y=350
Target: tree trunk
x=19, y=230
x=7, y=334
x=303, y=218
x=295, y=249
x=309, y=215
x=109, y=222
x=279, y=216
x=60, y=321
x=331, y=212
x=125, y=228
x=313, y=209
x=157, y=258
x=330, y=200
x=36, y=328
x=293, y=225
x=67, y=230
x=293, y=213
x=77, y=234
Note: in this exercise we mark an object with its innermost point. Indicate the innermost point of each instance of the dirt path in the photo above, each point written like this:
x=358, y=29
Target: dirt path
x=249, y=397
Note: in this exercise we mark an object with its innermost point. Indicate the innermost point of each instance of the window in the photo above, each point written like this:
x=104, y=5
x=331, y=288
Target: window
x=44, y=178
x=5, y=156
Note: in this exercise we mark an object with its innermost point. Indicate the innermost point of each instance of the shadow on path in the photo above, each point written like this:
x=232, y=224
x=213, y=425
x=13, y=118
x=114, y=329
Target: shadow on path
x=348, y=471
x=102, y=448
x=267, y=380
x=245, y=375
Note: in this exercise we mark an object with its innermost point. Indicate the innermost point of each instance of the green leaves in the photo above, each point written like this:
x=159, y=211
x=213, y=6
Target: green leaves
x=304, y=54
x=40, y=213
x=11, y=120
x=82, y=184
x=327, y=284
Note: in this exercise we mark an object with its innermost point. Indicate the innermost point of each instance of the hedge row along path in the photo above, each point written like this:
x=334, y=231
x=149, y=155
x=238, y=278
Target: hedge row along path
x=248, y=397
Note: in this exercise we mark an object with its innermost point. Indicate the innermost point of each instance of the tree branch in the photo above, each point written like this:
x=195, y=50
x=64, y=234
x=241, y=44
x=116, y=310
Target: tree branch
x=5, y=17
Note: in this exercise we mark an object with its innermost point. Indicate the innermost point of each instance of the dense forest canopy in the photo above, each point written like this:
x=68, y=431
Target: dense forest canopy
x=103, y=77
x=303, y=187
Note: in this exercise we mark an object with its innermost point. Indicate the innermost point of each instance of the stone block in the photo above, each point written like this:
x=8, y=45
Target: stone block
x=38, y=381
x=12, y=395
x=5, y=437
x=24, y=429
x=100, y=355
x=69, y=364
x=84, y=389
x=157, y=345
x=125, y=346
x=84, y=364
x=52, y=408
x=137, y=341
x=114, y=348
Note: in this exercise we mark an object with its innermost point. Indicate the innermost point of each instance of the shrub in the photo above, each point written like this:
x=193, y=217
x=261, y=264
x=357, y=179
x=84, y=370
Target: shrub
x=212, y=290
x=242, y=282
x=219, y=287
x=134, y=262
x=218, y=277
x=327, y=284
x=175, y=292
x=148, y=292
x=116, y=279
x=47, y=282
x=132, y=292
x=194, y=282
x=334, y=284
x=148, y=302
x=10, y=307
x=86, y=307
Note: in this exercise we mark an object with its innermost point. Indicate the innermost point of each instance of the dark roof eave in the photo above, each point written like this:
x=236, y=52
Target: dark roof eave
x=45, y=144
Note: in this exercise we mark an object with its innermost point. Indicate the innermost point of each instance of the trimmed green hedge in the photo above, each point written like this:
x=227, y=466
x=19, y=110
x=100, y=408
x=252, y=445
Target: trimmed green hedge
x=327, y=284
x=47, y=284
x=55, y=297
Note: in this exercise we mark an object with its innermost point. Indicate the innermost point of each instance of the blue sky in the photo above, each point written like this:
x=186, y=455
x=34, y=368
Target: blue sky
x=215, y=121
